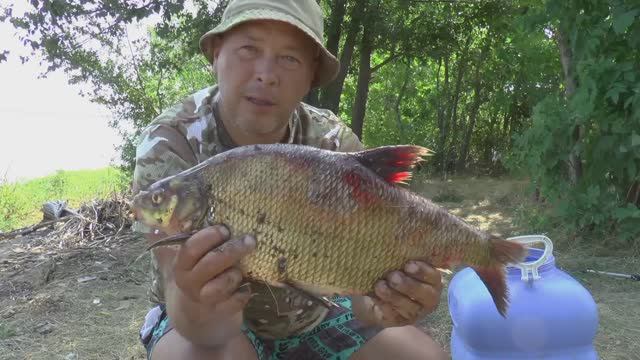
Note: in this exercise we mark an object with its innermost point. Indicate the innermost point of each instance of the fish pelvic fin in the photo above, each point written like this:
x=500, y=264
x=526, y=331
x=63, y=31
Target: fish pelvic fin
x=502, y=252
x=393, y=163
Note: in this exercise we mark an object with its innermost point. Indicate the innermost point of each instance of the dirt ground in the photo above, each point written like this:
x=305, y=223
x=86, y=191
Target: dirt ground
x=88, y=301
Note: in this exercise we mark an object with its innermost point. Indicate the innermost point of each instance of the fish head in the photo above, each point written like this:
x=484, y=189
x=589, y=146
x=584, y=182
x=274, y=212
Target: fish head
x=171, y=206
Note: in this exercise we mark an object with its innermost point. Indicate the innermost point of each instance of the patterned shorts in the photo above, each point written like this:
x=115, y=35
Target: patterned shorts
x=335, y=338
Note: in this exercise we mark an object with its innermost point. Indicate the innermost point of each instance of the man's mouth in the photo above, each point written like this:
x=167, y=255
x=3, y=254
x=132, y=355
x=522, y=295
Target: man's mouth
x=260, y=101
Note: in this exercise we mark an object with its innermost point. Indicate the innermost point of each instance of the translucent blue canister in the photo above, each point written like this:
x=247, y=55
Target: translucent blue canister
x=551, y=316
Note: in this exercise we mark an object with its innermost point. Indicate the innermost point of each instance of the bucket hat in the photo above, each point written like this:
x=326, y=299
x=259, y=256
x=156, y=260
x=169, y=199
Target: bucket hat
x=305, y=15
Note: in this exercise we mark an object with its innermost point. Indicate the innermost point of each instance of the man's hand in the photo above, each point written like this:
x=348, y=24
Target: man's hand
x=204, y=293
x=402, y=298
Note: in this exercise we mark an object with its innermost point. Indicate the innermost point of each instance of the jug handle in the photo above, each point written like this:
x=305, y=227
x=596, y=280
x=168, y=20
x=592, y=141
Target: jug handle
x=532, y=266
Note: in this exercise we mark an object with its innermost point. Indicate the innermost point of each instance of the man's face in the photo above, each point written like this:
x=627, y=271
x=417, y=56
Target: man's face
x=264, y=69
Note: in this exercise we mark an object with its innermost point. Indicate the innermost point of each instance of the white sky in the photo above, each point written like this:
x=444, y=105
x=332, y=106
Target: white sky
x=44, y=124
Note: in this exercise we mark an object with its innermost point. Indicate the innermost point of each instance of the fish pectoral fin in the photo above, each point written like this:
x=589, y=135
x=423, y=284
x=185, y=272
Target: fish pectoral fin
x=392, y=163
x=317, y=293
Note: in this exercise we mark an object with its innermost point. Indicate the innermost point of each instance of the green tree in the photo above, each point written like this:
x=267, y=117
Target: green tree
x=583, y=146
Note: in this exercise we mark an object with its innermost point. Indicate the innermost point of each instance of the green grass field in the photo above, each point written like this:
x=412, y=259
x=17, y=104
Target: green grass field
x=20, y=202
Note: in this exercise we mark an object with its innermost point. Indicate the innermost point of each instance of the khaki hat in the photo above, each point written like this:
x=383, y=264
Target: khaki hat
x=303, y=14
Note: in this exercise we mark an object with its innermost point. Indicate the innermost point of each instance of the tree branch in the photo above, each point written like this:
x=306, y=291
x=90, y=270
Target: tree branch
x=389, y=59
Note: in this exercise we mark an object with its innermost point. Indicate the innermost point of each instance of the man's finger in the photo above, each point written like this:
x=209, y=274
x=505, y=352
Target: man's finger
x=390, y=317
x=421, y=271
x=221, y=287
x=199, y=244
x=424, y=294
x=365, y=310
x=221, y=258
x=236, y=302
x=399, y=302
x=375, y=312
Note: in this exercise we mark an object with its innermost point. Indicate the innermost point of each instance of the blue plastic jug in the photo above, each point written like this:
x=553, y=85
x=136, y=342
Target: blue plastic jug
x=551, y=316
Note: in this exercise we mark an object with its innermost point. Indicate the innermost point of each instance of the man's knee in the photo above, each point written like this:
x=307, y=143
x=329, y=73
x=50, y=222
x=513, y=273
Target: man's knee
x=173, y=346
x=402, y=343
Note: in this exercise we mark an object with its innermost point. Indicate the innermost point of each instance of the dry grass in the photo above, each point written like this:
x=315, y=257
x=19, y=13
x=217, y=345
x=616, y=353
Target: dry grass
x=52, y=315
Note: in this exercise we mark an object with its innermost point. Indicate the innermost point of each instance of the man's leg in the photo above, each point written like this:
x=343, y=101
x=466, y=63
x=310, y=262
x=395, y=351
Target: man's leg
x=400, y=343
x=173, y=346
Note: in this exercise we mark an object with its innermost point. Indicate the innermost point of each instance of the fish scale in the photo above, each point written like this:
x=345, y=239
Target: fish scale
x=300, y=262
x=326, y=222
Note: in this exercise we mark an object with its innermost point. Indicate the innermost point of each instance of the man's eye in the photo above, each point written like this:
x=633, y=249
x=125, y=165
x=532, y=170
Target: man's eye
x=290, y=61
x=247, y=51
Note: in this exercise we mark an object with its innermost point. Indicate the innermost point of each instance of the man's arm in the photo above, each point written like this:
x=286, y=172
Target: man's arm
x=200, y=289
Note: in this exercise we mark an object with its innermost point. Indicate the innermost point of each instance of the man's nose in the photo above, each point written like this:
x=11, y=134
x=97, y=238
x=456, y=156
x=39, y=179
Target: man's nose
x=267, y=72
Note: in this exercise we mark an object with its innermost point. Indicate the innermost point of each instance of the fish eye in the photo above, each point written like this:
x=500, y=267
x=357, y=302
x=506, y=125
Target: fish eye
x=156, y=198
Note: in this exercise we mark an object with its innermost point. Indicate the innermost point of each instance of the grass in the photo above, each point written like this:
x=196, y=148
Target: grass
x=20, y=203
x=6, y=331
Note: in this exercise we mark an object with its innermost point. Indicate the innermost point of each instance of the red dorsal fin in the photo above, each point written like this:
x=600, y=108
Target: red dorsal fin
x=393, y=163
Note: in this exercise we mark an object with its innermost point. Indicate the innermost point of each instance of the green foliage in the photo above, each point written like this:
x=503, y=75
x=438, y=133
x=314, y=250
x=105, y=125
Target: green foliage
x=20, y=203
x=13, y=206
x=606, y=108
x=531, y=219
x=56, y=184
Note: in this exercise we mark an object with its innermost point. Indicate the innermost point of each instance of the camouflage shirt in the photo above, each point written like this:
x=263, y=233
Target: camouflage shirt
x=189, y=133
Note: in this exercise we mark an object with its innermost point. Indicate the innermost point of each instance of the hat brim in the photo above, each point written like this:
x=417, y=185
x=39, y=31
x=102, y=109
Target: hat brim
x=327, y=69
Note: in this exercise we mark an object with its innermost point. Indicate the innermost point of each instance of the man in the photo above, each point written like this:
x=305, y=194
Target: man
x=266, y=54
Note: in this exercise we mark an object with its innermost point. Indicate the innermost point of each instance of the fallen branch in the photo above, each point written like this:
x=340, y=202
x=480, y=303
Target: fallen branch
x=32, y=228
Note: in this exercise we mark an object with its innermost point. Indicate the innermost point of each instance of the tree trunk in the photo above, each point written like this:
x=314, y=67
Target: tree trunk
x=442, y=115
x=475, y=107
x=462, y=67
x=331, y=94
x=364, y=75
x=334, y=25
x=401, y=94
x=633, y=195
x=566, y=58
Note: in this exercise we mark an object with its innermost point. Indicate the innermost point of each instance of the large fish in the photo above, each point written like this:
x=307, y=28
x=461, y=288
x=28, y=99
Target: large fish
x=325, y=222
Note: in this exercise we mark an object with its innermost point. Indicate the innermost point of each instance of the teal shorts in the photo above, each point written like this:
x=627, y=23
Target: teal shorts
x=335, y=338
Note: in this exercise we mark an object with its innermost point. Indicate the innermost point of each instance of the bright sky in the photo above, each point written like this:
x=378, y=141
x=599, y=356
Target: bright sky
x=44, y=124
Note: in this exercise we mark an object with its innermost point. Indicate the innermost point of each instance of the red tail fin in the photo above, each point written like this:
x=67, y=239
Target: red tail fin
x=503, y=252
x=494, y=279
x=392, y=163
